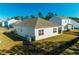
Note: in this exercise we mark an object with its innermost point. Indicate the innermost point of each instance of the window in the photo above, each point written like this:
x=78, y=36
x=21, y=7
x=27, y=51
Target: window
x=54, y=30
x=41, y=32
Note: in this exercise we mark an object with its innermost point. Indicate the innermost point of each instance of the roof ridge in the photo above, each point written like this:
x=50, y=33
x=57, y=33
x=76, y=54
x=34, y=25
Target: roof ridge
x=37, y=22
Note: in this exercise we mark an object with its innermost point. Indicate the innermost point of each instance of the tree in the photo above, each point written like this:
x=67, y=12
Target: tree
x=8, y=18
x=21, y=18
x=40, y=15
x=17, y=17
x=32, y=16
x=50, y=15
x=26, y=17
x=55, y=14
x=12, y=17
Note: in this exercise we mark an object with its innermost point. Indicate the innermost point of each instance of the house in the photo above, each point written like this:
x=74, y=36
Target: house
x=12, y=22
x=65, y=22
x=9, y=23
x=37, y=29
x=75, y=24
x=2, y=23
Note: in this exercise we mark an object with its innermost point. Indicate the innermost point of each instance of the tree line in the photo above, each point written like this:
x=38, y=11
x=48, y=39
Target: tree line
x=40, y=15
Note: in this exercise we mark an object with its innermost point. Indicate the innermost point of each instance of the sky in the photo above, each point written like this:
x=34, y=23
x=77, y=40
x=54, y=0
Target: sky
x=27, y=9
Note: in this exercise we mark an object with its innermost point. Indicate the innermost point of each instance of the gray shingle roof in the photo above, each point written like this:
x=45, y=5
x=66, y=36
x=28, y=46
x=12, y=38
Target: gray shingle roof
x=62, y=17
x=37, y=23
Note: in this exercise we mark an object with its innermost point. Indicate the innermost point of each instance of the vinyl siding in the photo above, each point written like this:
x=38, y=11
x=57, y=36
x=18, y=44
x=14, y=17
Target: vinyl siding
x=24, y=31
x=48, y=32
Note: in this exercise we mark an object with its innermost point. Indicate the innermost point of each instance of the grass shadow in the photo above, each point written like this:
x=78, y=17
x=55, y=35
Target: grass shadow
x=72, y=33
x=77, y=33
x=62, y=47
x=12, y=36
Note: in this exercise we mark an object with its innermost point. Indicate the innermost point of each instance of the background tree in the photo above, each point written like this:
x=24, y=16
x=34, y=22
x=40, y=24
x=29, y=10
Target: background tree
x=40, y=15
x=8, y=18
x=26, y=17
x=50, y=15
x=17, y=17
x=12, y=17
x=21, y=18
x=32, y=16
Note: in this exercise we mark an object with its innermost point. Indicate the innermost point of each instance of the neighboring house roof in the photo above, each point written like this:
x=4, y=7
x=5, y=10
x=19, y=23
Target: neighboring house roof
x=37, y=23
x=64, y=17
x=61, y=17
x=12, y=21
x=2, y=20
x=17, y=22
